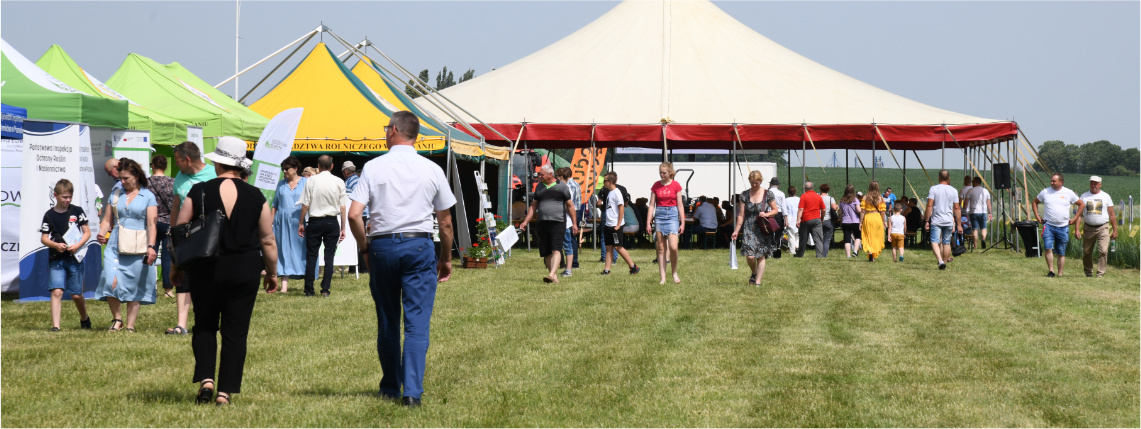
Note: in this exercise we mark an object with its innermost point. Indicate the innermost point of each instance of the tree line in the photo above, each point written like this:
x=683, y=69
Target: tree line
x=444, y=79
x=1099, y=157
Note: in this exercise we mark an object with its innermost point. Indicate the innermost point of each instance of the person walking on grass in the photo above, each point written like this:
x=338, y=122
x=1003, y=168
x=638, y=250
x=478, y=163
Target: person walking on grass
x=756, y=245
x=191, y=171
x=322, y=201
x=163, y=188
x=291, y=251
x=809, y=211
x=128, y=278
x=1099, y=225
x=401, y=190
x=942, y=218
x=850, y=215
x=1057, y=199
x=225, y=289
x=615, y=217
x=979, y=210
x=791, y=228
x=64, y=232
x=897, y=231
x=872, y=221
x=668, y=218
x=830, y=207
x=570, y=242
x=552, y=201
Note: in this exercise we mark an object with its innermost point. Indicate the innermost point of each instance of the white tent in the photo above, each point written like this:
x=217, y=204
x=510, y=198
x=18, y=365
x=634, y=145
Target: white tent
x=687, y=73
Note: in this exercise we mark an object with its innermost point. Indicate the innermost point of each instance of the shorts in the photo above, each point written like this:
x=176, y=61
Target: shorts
x=942, y=234
x=551, y=234
x=897, y=240
x=1056, y=237
x=666, y=220
x=67, y=274
x=851, y=232
x=612, y=236
x=978, y=220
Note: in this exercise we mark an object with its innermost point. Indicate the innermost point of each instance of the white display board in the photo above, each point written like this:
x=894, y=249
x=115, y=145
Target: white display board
x=135, y=145
x=347, y=253
x=11, y=156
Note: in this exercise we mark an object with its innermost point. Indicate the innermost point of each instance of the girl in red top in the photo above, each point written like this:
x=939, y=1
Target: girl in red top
x=665, y=197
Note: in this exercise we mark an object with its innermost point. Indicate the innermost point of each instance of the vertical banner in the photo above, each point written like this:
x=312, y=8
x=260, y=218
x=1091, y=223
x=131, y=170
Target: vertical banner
x=194, y=134
x=135, y=145
x=274, y=145
x=581, y=169
x=54, y=151
x=11, y=156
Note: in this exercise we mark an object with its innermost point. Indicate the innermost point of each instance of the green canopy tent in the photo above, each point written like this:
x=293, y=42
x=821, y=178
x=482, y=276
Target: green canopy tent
x=176, y=92
x=164, y=130
x=48, y=98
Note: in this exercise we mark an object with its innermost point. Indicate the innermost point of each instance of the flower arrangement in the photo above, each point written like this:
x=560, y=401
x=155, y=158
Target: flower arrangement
x=482, y=248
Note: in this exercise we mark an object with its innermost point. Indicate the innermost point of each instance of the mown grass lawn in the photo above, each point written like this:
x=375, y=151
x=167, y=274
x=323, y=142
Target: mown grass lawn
x=835, y=342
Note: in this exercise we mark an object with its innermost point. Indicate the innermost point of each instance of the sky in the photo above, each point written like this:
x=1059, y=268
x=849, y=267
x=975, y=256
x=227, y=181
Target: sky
x=1067, y=71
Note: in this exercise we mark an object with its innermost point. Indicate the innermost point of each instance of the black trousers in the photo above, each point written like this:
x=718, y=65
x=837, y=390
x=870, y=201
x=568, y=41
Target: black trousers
x=224, y=297
x=319, y=231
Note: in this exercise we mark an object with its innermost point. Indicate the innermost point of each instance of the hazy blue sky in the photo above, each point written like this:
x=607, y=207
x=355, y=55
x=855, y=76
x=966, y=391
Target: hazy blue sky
x=1066, y=71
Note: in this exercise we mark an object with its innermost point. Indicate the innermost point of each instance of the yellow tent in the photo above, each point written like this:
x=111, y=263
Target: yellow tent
x=395, y=99
x=341, y=113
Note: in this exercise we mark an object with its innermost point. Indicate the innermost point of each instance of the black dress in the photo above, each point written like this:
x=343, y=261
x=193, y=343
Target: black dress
x=225, y=290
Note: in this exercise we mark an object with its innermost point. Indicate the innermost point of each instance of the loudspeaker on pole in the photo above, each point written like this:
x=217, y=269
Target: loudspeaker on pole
x=1001, y=175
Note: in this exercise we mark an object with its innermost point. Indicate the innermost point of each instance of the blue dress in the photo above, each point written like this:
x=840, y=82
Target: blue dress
x=133, y=279
x=290, y=247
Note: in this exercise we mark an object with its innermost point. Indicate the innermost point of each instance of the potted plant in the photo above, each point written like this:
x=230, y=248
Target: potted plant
x=482, y=249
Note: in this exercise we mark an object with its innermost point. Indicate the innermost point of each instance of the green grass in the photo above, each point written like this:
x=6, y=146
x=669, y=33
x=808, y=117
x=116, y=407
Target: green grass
x=837, y=342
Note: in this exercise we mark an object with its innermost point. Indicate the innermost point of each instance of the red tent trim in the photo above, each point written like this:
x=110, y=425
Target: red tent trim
x=722, y=136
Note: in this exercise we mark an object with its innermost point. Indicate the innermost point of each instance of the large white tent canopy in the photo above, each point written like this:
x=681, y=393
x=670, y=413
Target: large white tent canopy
x=685, y=72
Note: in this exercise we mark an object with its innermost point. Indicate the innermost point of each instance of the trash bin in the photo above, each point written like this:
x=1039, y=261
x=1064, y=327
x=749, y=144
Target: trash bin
x=1031, y=239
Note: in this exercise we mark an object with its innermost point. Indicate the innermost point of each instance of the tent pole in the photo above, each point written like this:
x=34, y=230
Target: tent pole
x=904, y=185
x=803, y=168
x=306, y=38
x=846, y=158
x=925, y=173
x=873, y=157
x=789, y=153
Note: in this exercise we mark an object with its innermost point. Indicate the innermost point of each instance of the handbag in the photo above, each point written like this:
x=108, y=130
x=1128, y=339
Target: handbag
x=768, y=225
x=131, y=241
x=198, y=242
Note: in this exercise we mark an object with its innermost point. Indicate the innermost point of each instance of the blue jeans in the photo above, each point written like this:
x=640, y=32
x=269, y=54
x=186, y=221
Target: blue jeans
x=67, y=274
x=942, y=234
x=402, y=275
x=978, y=220
x=570, y=250
x=1056, y=237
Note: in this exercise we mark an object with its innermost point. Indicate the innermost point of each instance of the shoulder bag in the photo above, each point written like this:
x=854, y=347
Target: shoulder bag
x=131, y=241
x=198, y=242
x=768, y=225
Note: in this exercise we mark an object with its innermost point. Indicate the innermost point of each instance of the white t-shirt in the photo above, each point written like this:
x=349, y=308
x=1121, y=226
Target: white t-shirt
x=1057, y=205
x=401, y=191
x=779, y=197
x=1097, y=208
x=963, y=192
x=977, y=198
x=613, y=200
x=828, y=201
x=898, y=223
x=942, y=212
x=789, y=209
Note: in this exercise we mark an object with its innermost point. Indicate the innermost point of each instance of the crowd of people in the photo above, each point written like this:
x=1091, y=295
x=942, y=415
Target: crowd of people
x=393, y=208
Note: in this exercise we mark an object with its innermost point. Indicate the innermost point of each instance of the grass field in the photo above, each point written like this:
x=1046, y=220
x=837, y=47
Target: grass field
x=836, y=342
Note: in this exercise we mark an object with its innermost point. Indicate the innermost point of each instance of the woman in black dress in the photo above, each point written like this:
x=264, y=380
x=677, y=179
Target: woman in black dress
x=225, y=289
x=756, y=245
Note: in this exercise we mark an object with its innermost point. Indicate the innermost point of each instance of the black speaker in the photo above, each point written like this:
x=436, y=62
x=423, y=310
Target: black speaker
x=1001, y=172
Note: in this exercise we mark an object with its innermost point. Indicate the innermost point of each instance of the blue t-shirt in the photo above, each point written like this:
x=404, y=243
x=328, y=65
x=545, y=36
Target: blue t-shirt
x=183, y=182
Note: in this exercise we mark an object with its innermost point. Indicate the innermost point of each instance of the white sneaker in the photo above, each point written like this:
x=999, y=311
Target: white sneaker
x=567, y=273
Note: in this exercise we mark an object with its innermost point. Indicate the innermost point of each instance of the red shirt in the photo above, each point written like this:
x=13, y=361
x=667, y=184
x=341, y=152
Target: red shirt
x=666, y=196
x=812, y=204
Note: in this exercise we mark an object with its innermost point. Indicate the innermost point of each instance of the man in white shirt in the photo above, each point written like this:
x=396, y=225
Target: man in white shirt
x=788, y=209
x=942, y=215
x=1099, y=226
x=322, y=200
x=1057, y=199
x=402, y=190
x=979, y=209
x=967, y=185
